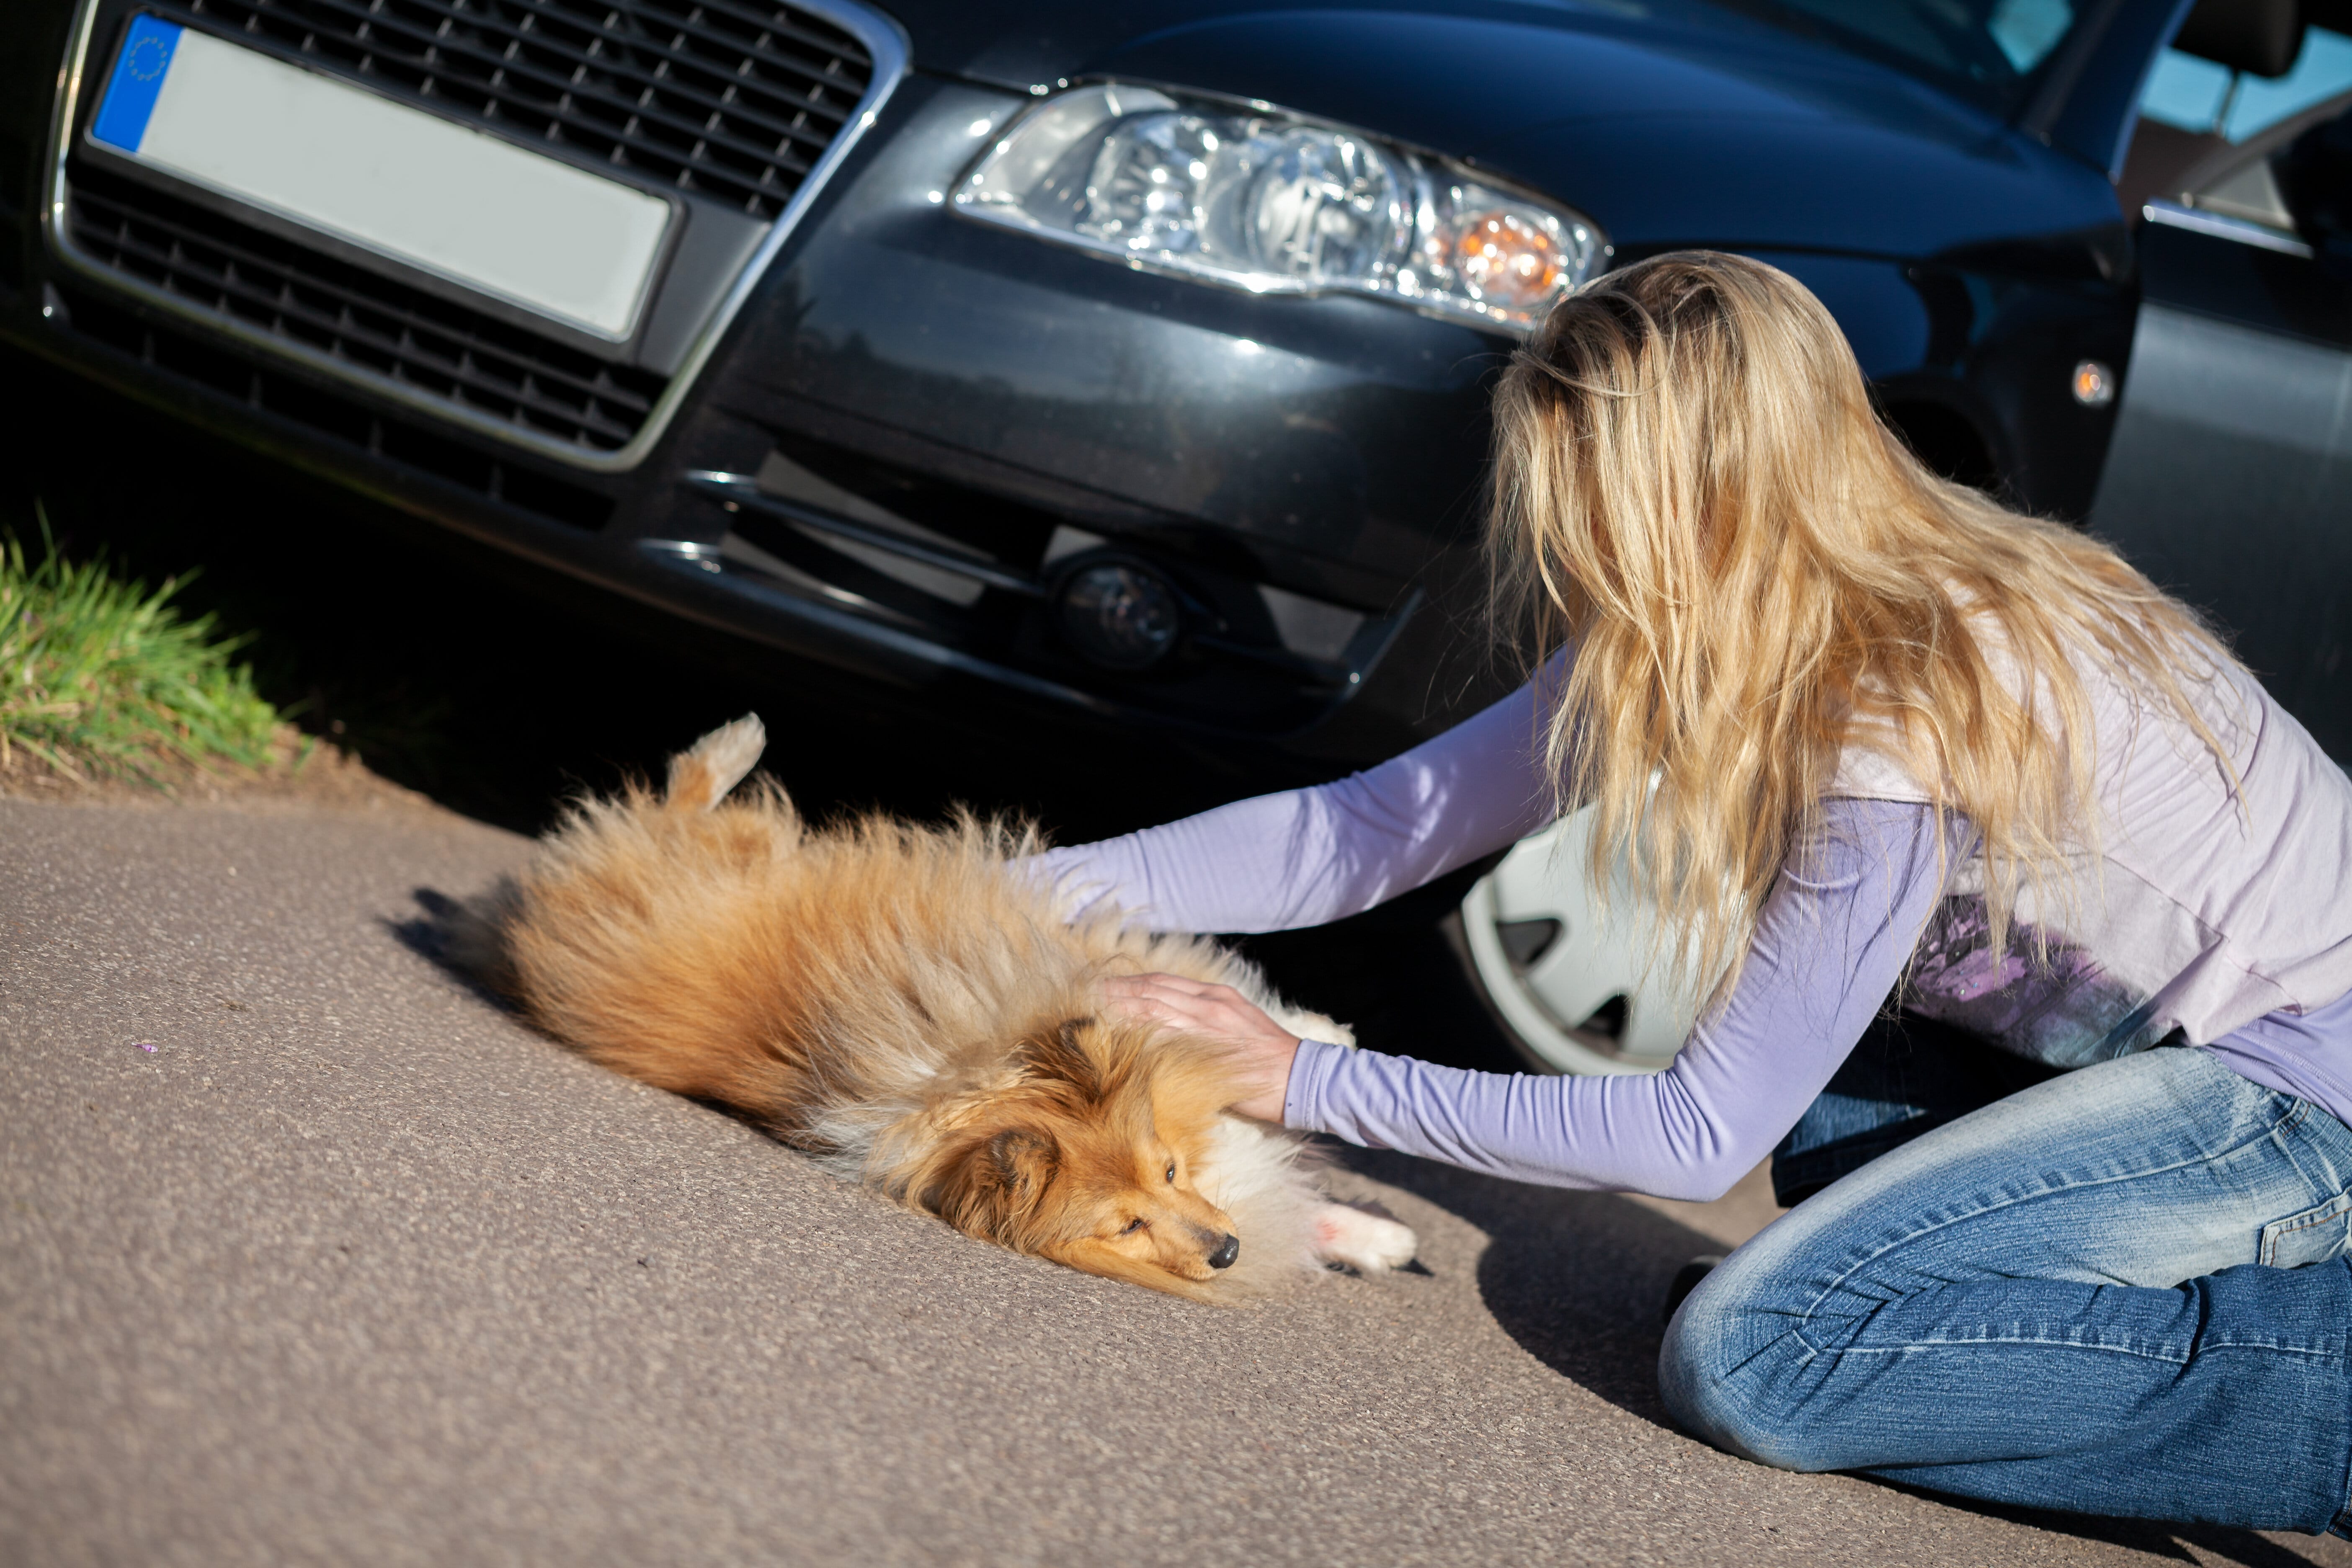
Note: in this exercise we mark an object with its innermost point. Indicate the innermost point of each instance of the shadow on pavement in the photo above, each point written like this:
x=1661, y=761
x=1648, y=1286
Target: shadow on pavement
x=2242, y=1547
x=1575, y=1278
x=429, y=935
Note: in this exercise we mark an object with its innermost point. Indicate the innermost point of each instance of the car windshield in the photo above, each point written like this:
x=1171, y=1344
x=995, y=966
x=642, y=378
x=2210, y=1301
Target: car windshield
x=1985, y=49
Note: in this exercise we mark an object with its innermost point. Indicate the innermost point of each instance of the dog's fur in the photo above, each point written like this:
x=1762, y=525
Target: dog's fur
x=921, y=1015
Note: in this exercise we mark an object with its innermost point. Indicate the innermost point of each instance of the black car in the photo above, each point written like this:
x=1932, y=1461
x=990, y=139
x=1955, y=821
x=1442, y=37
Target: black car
x=1132, y=359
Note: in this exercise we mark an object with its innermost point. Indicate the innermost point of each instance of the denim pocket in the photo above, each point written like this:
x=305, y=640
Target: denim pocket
x=2314, y=1236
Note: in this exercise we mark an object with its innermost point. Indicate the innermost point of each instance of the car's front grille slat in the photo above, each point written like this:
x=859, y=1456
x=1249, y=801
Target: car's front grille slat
x=419, y=356
x=392, y=329
x=303, y=402
x=397, y=336
x=734, y=101
x=430, y=48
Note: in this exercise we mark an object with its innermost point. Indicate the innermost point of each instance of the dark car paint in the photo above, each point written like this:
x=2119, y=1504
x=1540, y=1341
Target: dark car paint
x=1319, y=438
x=1737, y=134
x=1970, y=265
x=2082, y=100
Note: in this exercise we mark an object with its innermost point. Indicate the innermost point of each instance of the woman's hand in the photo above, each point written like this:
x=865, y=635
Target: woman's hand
x=1263, y=1048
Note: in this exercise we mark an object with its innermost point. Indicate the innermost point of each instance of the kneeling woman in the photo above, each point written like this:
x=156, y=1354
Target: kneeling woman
x=1960, y=801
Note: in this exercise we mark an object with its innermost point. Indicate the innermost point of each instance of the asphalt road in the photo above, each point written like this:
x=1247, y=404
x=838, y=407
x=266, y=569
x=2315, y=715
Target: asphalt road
x=313, y=1255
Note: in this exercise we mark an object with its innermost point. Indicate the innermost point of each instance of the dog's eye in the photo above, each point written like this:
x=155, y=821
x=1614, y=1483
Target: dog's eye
x=1132, y=1226
x=1171, y=1172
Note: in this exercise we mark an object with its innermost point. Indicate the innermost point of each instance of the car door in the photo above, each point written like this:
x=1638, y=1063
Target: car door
x=2229, y=476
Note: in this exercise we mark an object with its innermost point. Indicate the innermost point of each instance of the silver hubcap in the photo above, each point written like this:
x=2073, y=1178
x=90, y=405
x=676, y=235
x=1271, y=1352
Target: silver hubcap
x=1579, y=992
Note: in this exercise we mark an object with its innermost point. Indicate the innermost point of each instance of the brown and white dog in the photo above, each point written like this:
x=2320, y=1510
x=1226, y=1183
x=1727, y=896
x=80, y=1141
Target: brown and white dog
x=918, y=1013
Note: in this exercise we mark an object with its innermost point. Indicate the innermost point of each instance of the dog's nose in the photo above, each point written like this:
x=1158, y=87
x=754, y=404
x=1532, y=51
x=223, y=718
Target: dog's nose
x=1224, y=1257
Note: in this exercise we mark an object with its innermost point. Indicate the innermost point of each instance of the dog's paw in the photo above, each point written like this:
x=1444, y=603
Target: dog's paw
x=700, y=776
x=1309, y=1026
x=1366, y=1242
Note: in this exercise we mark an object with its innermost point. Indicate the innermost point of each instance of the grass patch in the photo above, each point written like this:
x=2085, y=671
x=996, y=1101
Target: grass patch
x=99, y=675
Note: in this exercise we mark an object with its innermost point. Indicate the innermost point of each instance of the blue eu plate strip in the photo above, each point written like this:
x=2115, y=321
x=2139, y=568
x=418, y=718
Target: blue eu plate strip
x=131, y=91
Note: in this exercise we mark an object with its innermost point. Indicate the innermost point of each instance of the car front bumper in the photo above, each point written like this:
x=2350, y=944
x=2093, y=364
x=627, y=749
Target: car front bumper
x=908, y=434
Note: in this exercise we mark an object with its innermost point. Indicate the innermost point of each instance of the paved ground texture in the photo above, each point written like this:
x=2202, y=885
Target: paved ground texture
x=313, y=1255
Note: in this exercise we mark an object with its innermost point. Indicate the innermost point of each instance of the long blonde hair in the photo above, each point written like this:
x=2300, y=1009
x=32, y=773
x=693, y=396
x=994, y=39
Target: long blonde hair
x=1691, y=488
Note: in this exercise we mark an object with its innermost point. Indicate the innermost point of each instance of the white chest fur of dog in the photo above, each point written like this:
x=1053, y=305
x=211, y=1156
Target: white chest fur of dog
x=912, y=1006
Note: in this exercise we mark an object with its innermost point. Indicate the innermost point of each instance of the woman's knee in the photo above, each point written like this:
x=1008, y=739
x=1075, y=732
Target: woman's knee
x=1731, y=1370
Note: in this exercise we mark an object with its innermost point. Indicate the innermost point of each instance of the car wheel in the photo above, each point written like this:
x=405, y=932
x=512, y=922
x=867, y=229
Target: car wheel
x=1574, y=992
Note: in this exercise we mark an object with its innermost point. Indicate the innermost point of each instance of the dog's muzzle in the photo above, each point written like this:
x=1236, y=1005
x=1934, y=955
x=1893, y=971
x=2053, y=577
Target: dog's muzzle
x=1224, y=1257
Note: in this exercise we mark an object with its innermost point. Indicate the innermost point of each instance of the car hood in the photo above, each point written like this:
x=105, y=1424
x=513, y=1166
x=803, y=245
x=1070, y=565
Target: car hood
x=1670, y=122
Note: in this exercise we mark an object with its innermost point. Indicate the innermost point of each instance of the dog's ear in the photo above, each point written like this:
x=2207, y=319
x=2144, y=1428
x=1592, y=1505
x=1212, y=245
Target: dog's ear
x=1025, y=1163
x=1054, y=1054
x=990, y=1182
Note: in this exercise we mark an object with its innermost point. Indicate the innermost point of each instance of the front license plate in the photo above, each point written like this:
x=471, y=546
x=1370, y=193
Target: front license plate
x=392, y=179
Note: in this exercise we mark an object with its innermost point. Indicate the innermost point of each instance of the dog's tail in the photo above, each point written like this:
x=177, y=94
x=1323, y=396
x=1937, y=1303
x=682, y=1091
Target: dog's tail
x=700, y=776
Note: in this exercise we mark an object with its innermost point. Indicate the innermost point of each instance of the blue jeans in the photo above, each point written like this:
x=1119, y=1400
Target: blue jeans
x=1905, y=1076
x=2124, y=1290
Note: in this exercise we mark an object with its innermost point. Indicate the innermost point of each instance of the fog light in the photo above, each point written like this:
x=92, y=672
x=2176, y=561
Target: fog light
x=1121, y=615
x=2094, y=384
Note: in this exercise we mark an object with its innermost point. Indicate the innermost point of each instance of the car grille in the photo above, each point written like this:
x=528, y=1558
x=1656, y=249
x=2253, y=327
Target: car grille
x=732, y=98
x=425, y=342
x=157, y=343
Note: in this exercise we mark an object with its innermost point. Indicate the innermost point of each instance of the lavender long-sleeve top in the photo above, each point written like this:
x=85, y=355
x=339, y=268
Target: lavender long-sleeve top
x=1832, y=939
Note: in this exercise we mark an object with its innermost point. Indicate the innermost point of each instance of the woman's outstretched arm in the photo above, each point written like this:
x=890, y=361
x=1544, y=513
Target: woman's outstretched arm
x=1829, y=947
x=1308, y=855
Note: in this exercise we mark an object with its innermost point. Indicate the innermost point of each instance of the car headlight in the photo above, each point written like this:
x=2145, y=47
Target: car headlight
x=1257, y=198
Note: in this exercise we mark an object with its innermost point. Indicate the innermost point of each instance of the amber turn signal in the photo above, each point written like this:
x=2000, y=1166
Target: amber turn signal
x=1509, y=261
